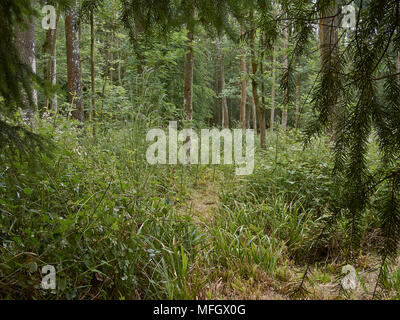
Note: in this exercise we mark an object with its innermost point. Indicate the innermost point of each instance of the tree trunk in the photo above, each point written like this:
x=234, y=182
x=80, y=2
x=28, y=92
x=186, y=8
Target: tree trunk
x=298, y=97
x=263, y=127
x=248, y=113
x=136, y=48
x=73, y=63
x=92, y=74
x=189, y=69
x=50, y=69
x=329, y=33
x=80, y=60
x=111, y=57
x=224, y=101
x=244, y=86
x=285, y=66
x=119, y=64
x=254, y=109
x=329, y=38
x=262, y=108
x=53, y=67
x=272, y=118
x=254, y=83
x=398, y=66
x=25, y=44
x=329, y=51
x=188, y=82
x=320, y=33
x=217, y=91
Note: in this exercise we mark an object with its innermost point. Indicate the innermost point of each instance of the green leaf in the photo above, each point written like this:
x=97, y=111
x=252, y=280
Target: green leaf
x=28, y=191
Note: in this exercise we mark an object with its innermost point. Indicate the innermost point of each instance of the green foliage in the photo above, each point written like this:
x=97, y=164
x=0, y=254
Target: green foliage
x=92, y=213
x=116, y=227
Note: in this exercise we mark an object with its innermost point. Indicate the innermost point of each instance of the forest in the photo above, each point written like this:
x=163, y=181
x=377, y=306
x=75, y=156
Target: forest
x=93, y=208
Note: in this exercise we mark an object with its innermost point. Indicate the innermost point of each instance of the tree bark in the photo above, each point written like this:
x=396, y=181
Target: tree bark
x=329, y=38
x=254, y=109
x=254, y=83
x=50, y=69
x=320, y=24
x=73, y=63
x=262, y=129
x=25, y=44
x=248, y=113
x=53, y=68
x=244, y=85
x=329, y=51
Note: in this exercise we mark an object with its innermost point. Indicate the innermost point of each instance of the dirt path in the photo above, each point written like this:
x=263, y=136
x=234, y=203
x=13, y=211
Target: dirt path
x=203, y=203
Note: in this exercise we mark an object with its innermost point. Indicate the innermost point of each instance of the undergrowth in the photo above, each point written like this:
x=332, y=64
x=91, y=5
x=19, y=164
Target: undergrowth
x=112, y=225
